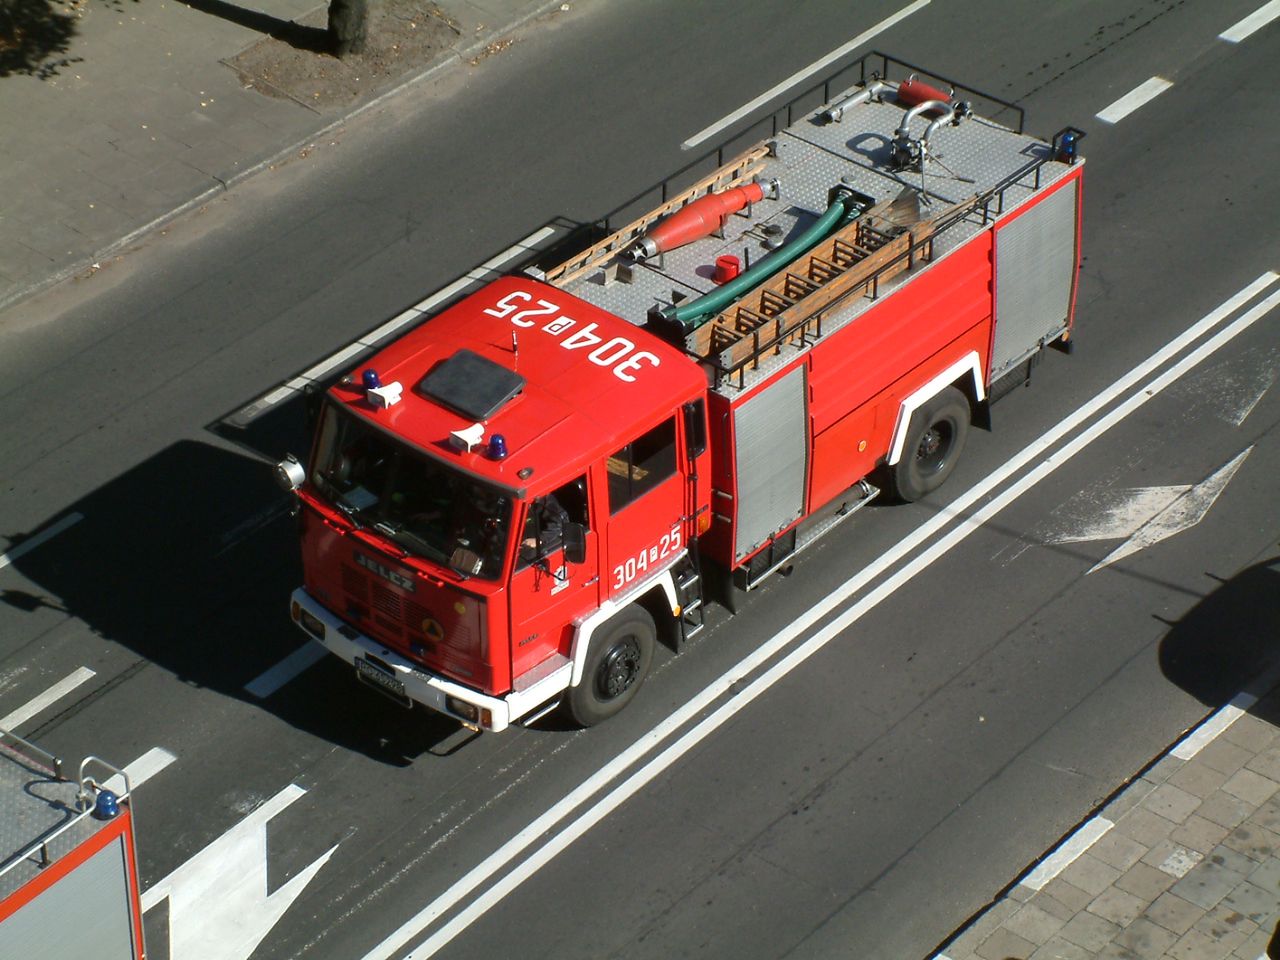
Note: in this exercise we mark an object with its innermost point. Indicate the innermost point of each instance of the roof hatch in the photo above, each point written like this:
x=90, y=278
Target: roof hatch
x=471, y=385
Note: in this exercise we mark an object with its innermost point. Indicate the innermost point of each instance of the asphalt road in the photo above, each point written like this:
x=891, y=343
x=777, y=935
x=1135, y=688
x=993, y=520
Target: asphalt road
x=864, y=802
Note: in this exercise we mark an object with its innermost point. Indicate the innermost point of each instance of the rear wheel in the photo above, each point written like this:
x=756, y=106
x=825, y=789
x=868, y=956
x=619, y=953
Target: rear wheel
x=617, y=662
x=934, y=441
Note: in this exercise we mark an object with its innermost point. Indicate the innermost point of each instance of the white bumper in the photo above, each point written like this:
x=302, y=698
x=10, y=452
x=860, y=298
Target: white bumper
x=421, y=685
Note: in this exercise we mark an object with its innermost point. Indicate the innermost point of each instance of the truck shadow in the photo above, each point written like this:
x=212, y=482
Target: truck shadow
x=188, y=559
x=1229, y=638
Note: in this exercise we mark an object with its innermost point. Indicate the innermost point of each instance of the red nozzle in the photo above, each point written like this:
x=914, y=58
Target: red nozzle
x=912, y=92
x=699, y=219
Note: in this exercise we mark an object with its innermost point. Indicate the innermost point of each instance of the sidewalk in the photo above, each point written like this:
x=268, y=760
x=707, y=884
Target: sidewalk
x=138, y=115
x=1183, y=863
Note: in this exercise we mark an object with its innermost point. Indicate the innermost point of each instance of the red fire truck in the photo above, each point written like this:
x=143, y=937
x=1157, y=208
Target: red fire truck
x=506, y=506
x=69, y=874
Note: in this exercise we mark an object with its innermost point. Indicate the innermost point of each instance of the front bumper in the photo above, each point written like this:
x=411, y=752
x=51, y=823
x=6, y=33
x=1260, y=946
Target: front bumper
x=420, y=685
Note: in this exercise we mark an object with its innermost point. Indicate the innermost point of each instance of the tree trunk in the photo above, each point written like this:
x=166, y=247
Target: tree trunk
x=348, y=26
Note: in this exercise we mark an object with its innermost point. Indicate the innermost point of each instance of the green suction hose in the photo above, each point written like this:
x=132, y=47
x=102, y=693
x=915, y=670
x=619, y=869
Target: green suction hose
x=691, y=315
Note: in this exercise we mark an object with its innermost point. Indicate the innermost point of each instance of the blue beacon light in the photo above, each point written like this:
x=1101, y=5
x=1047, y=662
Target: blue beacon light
x=107, y=806
x=498, y=447
x=370, y=379
x=1067, y=148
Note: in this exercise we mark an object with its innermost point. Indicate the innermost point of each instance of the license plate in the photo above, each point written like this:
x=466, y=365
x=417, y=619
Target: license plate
x=379, y=678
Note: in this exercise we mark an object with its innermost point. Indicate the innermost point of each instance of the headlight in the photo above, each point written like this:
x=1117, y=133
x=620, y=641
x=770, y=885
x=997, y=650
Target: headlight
x=311, y=624
x=468, y=711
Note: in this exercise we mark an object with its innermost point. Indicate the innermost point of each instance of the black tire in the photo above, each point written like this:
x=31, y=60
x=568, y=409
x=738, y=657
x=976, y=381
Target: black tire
x=617, y=662
x=934, y=441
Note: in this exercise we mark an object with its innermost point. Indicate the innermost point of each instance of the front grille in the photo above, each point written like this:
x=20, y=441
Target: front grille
x=355, y=583
x=386, y=601
x=414, y=614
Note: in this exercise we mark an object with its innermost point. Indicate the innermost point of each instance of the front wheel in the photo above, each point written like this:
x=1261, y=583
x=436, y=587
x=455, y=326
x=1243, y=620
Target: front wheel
x=933, y=444
x=617, y=662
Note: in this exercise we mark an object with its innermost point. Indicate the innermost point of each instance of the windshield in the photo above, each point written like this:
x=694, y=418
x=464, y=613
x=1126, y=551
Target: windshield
x=425, y=506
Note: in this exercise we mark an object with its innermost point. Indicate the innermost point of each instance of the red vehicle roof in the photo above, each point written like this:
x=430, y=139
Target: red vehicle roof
x=592, y=382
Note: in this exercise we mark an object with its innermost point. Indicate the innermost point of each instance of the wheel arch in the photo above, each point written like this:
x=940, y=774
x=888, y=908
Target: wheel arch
x=965, y=374
x=651, y=592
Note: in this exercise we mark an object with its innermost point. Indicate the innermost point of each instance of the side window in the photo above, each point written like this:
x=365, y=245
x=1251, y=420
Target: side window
x=641, y=465
x=544, y=525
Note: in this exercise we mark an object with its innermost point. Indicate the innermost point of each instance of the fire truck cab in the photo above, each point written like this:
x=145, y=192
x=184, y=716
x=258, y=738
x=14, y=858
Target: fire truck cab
x=535, y=475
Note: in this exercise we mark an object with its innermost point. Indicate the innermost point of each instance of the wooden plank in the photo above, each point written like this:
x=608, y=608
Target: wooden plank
x=857, y=277
x=737, y=171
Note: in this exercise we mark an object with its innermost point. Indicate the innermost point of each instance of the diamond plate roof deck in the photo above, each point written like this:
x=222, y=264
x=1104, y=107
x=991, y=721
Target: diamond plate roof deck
x=36, y=807
x=810, y=157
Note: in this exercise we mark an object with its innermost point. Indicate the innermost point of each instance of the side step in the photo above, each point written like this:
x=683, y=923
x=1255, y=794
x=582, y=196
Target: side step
x=688, y=580
x=803, y=537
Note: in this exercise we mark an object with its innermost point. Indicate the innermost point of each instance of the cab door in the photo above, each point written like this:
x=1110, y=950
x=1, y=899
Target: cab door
x=548, y=593
x=646, y=508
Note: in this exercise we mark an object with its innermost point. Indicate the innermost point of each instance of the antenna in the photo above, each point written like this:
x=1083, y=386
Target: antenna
x=515, y=349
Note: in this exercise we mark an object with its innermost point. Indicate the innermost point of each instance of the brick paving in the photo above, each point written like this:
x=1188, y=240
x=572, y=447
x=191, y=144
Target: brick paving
x=1184, y=864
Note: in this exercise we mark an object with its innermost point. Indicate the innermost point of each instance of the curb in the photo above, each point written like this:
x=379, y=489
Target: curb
x=1094, y=824
x=454, y=57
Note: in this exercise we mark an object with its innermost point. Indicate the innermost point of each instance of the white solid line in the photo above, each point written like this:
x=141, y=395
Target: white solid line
x=348, y=352
x=1252, y=23
x=1067, y=853
x=391, y=326
x=1207, y=732
x=141, y=770
x=516, y=249
x=268, y=682
x=1131, y=101
x=444, y=293
x=32, y=542
x=802, y=74
x=278, y=394
x=50, y=696
x=926, y=532
x=373, y=337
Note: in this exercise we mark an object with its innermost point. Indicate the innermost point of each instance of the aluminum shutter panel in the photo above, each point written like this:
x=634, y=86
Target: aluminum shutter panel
x=1035, y=268
x=770, y=455
x=84, y=914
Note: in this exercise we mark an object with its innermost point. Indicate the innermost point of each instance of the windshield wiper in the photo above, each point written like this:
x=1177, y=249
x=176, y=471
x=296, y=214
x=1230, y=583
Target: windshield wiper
x=349, y=511
x=391, y=531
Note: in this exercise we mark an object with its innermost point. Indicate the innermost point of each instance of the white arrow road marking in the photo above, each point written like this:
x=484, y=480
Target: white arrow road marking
x=219, y=907
x=1147, y=515
x=1231, y=389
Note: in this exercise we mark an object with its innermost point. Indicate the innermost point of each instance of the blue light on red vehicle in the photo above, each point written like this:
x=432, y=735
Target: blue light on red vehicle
x=498, y=447
x=107, y=806
x=1067, y=148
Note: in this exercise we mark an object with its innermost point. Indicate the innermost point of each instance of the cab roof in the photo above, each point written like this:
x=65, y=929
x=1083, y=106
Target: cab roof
x=580, y=381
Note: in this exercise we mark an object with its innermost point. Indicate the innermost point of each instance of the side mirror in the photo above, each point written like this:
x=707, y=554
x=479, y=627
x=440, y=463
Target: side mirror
x=695, y=428
x=289, y=474
x=312, y=401
x=575, y=543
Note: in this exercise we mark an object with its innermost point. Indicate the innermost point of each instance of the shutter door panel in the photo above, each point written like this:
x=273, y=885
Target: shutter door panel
x=1035, y=269
x=771, y=444
x=85, y=914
